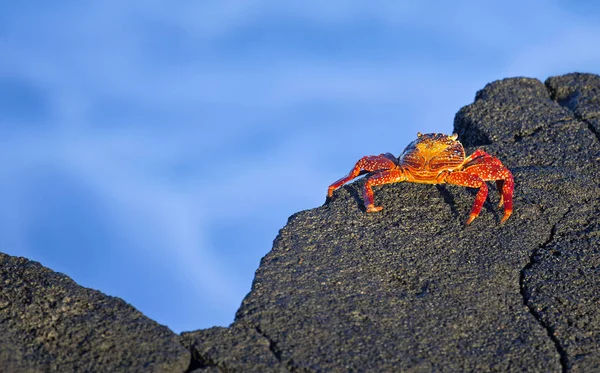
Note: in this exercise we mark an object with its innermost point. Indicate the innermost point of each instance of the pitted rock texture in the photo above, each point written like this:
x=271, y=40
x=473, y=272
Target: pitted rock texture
x=408, y=289
x=48, y=323
x=412, y=289
x=237, y=348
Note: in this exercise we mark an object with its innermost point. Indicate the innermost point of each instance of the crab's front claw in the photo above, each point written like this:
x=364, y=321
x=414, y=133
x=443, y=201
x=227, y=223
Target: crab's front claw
x=373, y=208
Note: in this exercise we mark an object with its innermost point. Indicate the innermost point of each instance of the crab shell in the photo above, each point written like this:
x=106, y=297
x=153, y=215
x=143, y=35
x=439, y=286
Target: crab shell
x=427, y=157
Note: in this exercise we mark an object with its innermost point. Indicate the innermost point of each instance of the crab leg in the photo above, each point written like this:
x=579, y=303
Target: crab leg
x=366, y=164
x=477, y=153
x=504, y=182
x=499, y=186
x=508, y=185
x=481, y=157
x=473, y=181
x=380, y=178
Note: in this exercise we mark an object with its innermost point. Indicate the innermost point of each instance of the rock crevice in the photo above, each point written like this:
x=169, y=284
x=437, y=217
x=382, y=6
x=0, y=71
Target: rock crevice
x=526, y=300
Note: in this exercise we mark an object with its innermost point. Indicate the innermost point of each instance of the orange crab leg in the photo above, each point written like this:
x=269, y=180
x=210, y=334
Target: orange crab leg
x=380, y=178
x=481, y=157
x=500, y=186
x=473, y=181
x=477, y=153
x=366, y=164
x=504, y=182
x=506, y=200
x=506, y=187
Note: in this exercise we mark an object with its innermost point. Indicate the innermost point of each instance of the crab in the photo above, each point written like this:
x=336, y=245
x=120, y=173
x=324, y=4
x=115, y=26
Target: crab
x=435, y=158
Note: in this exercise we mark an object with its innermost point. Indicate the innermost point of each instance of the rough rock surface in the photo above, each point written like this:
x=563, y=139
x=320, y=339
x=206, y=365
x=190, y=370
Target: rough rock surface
x=48, y=323
x=407, y=289
x=412, y=289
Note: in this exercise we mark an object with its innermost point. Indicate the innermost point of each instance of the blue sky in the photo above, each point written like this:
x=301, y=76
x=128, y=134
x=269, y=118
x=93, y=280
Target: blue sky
x=152, y=150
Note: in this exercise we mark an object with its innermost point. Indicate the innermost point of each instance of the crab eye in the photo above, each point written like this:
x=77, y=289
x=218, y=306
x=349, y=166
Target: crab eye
x=453, y=137
x=419, y=134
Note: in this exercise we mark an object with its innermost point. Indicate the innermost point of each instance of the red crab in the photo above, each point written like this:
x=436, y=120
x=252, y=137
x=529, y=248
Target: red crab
x=435, y=158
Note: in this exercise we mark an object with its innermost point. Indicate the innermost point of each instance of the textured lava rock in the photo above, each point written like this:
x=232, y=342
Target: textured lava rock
x=239, y=347
x=50, y=324
x=412, y=289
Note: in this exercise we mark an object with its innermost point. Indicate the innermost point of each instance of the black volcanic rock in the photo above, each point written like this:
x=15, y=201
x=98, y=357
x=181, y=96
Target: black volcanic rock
x=412, y=289
x=407, y=289
x=239, y=346
x=48, y=323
